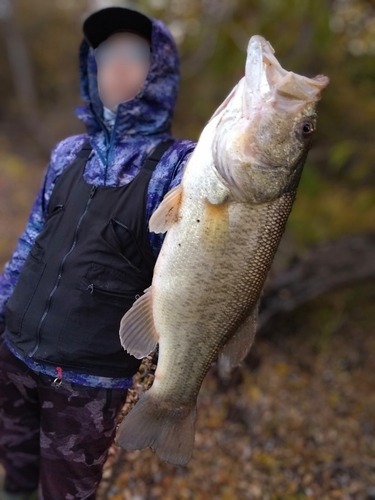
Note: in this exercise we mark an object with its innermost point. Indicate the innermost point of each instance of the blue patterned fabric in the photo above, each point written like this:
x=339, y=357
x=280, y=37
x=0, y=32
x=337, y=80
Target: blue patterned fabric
x=118, y=152
x=72, y=376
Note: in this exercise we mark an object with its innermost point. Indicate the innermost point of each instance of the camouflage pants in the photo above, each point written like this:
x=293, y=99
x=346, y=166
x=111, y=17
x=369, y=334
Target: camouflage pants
x=54, y=439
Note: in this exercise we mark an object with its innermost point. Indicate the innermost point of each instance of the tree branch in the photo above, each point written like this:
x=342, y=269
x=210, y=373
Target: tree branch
x=330, y=265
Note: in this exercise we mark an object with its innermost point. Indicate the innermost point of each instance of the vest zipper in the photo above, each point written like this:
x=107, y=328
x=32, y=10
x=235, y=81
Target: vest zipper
x=111, y=144
x=36, y=346
x=110, y=139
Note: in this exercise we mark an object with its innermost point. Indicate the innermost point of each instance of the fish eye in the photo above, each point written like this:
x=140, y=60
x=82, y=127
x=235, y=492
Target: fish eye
x=307, y=127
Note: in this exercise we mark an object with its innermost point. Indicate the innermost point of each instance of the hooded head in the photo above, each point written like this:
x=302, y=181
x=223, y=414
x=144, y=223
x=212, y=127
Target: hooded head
x=150, y=111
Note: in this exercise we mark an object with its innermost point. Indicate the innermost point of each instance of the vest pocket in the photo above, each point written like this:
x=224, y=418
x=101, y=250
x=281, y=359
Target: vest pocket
x=91, y=327
x=121, y=238
x=24, y=291
x=56, y=210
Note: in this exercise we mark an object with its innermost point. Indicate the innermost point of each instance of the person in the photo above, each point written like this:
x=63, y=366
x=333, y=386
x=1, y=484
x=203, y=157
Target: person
x=85, y=256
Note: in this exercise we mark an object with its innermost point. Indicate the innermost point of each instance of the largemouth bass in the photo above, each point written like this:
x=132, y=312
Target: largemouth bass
x=224, y=223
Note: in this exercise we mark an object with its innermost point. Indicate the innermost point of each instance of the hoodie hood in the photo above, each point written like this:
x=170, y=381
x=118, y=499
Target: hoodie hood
x=150, y=112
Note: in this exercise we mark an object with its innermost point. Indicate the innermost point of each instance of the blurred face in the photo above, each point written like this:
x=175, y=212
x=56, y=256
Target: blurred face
x=123, y=62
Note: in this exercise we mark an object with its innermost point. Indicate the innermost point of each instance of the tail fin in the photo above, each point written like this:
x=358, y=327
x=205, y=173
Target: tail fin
x=168, y=431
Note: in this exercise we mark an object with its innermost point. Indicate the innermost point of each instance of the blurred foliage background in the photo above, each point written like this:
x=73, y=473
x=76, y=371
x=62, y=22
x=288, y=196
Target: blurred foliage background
x=39, y=86
x=39, y=89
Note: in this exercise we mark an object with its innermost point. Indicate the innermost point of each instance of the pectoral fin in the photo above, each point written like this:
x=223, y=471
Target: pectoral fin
x=235, y=350
x=167, y=212
x=138, y=335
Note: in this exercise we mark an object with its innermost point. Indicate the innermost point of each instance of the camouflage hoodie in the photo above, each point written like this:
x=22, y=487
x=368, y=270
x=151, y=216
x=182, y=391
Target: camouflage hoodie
x=118, y=154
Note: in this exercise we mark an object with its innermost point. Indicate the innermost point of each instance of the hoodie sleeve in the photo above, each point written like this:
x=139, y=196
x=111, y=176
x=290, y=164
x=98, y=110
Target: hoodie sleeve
x=35, y=223
x=167, y=175
x=9, y=276
x=179, y=169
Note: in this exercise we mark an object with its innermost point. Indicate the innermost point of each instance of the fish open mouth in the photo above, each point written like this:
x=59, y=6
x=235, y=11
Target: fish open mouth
x=267, y=81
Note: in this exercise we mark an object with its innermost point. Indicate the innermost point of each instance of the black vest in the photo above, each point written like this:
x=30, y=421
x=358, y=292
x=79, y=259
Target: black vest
x=88, y=265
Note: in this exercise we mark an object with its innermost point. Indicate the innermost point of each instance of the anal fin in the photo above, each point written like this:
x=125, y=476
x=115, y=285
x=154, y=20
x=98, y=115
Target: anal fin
x=235, y=350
